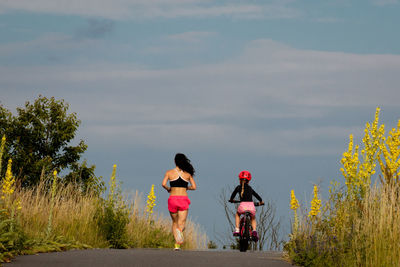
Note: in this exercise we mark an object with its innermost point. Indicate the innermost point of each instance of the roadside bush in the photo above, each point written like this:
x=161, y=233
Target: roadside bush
x=359, y=223
x=113, y=216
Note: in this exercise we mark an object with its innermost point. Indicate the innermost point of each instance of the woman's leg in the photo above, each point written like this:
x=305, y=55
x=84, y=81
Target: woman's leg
x=174, y=217
x=182, y=215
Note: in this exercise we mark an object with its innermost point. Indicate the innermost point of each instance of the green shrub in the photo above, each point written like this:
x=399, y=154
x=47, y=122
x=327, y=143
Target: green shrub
x=112, y=222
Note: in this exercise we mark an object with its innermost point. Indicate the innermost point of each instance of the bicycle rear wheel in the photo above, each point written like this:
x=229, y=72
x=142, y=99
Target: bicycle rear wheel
x=245, y=235
x=243, y=244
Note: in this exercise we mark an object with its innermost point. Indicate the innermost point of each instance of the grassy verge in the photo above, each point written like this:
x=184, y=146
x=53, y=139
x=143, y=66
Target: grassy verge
x=348, y=233
x=359, y=224
x=44, y=219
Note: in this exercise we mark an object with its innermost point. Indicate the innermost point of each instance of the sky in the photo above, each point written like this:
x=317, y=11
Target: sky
x=274, y=87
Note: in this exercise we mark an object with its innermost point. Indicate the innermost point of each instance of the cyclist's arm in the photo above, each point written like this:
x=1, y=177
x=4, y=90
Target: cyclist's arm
x=165, y=181
x=192, y=184
x=234, y=194
x=257, y=196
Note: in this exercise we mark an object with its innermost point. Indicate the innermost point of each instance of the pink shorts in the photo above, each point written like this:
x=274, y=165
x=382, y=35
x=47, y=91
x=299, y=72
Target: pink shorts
x=178, y=203
x=247, y=206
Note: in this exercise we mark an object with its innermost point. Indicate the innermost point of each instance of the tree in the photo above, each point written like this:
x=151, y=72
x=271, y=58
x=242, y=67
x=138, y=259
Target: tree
x=38, y=139
x=84, y=177
x=268, y=226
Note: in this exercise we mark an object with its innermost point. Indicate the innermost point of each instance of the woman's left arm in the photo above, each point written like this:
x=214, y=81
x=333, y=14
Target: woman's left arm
x=192, y=184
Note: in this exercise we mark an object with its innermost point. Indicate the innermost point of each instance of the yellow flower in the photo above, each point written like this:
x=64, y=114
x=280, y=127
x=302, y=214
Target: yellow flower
x=358, y=169
x=19, y=207
x=9, y=181
x=315, y=204
x=151, y=201
x=294, y=204
x=389, y=159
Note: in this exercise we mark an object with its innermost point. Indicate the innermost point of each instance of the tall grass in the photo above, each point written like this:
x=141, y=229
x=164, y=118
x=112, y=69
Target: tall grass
x=74, y=219
x=351, y=234
x=376, y=239
x=359, y=224
x=73, y=214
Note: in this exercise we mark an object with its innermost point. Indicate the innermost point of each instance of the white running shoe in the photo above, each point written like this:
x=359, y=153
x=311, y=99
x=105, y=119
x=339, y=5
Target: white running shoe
x=179, y=236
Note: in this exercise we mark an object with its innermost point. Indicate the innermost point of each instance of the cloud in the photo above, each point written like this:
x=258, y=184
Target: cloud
x=50, y=48
x=329, y=20
x=384, y=2
x=96, y=28
x=263, y=99
x=191, y=37
x=194, y=135
x=149, y=9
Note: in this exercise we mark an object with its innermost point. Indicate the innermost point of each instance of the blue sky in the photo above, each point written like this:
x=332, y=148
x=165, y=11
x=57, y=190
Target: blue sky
x=274, y=87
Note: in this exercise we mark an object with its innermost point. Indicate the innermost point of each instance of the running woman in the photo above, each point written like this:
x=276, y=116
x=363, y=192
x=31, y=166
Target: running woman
x=246, y=202
x=178, y=202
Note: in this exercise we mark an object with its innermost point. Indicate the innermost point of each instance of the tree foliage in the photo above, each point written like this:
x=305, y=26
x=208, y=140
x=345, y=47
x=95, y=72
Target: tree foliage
x=39, y=141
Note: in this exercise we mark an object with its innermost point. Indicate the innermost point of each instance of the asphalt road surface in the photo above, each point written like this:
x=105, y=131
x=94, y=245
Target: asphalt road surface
x=149, y=257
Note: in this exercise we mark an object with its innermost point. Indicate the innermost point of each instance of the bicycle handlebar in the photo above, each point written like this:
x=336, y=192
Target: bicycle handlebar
x=255, y=203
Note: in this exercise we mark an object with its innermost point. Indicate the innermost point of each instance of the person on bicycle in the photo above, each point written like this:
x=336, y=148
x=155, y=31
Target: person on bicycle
x=178, y=202
x=246, y=202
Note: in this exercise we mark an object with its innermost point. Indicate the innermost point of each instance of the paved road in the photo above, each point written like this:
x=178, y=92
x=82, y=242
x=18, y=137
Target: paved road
x=149, y=257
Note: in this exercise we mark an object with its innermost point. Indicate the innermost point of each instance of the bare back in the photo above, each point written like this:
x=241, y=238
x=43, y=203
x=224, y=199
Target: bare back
x=174, y=174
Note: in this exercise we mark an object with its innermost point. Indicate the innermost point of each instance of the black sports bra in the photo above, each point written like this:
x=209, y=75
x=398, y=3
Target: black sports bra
x=179, y=182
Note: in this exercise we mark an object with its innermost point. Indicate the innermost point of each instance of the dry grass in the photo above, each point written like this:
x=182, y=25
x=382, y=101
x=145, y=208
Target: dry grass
x=352, y=234
x=74, y=219
x=377, y=237
x=73, y=214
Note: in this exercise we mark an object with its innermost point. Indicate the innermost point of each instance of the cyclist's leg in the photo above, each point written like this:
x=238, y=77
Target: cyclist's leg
x=237, y=220
x=253, y=223
x=254, y=234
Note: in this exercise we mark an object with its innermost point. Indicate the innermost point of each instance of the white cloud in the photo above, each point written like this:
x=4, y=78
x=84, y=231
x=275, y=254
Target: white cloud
x=329, y=20
x=53, y=41
x=384, y=2
x=191, y=37
x=193, y=135
x=217, y=105
x=139, y=9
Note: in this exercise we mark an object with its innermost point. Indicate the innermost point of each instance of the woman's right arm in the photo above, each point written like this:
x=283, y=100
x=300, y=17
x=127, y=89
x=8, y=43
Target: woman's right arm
x=165, y=181
x=192, y=184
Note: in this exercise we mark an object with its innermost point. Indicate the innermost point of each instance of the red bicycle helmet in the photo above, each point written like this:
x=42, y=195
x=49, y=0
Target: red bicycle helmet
x=245, y=175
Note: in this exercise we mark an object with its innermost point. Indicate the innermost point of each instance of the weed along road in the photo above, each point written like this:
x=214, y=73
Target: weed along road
x=150, y=257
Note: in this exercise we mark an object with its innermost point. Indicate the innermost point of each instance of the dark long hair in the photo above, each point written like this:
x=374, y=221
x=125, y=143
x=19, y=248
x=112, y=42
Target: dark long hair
x=183, y=163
